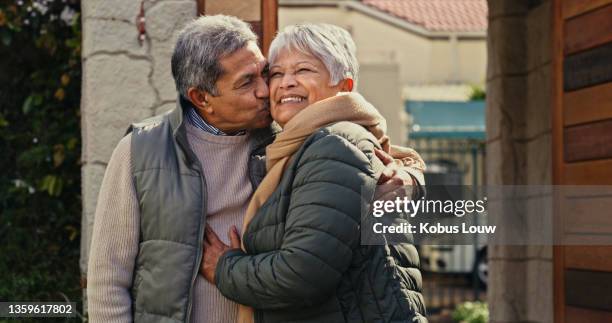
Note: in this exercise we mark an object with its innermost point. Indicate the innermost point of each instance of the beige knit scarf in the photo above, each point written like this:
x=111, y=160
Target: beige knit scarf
x=350, y=107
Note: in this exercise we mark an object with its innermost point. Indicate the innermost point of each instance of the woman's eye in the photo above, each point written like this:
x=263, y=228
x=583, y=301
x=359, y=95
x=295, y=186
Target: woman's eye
x=247, y=83
x=275, y=74
x=301, y=70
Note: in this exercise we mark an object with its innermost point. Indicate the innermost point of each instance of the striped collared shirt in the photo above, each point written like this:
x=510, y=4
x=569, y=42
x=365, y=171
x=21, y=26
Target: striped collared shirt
x=196, y=120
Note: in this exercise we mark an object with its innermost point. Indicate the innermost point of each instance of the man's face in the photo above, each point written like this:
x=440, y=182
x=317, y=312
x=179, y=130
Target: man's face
x=242, y=102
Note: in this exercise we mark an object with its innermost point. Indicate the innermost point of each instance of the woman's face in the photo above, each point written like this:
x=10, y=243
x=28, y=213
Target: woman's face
x=297, y=80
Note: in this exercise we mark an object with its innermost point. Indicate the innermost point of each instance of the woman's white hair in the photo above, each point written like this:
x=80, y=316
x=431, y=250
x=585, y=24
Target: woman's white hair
x=331, y=44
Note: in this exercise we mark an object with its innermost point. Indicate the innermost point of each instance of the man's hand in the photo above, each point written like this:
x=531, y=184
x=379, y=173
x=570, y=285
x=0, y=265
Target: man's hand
x=393, y=181
x=214, y=248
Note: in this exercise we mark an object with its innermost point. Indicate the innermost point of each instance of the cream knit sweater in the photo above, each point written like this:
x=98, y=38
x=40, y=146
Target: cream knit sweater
x=114, y=245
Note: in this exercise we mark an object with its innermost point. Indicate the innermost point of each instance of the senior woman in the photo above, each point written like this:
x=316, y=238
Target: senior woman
x=302, y=258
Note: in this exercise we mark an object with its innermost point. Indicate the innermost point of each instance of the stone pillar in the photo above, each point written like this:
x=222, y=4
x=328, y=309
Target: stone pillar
x=519, y=151
x=123, y=81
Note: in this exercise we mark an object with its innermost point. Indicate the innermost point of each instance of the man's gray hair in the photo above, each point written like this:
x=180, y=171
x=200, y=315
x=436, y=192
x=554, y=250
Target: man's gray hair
x=199, y=48
x=331, y=44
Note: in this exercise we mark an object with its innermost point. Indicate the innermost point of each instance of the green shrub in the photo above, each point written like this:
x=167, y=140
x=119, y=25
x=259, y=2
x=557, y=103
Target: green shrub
x=471, y=312
x=477, y=93
x=40, y=202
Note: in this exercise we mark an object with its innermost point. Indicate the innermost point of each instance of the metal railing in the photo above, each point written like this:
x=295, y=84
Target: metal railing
x=452, y=274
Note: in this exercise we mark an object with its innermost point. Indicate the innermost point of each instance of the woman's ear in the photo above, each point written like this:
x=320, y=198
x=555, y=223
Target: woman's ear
x=346, y=85
x=200, y=100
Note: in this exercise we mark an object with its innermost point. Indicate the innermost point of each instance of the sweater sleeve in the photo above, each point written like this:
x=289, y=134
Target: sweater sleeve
x=321, y=232
x=114, y=245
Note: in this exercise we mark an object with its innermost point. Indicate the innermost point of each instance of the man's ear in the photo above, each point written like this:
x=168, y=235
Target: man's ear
x=346, y=85
x=200, y=99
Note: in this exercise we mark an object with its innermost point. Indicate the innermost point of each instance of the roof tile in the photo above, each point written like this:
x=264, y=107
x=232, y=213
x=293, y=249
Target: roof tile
x=437, y=15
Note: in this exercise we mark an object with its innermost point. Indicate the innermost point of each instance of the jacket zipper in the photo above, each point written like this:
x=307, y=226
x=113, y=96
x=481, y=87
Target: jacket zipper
x=199, y=247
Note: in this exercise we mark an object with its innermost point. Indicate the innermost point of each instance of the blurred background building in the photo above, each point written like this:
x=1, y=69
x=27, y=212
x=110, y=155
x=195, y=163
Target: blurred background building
x=547, y=69
x=497, y=92
x=423, y=64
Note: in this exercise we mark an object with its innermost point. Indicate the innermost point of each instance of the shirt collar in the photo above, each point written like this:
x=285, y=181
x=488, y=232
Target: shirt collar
x=196, y=120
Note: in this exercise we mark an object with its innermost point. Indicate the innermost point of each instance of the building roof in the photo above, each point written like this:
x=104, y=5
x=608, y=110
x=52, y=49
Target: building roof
x=437, y=15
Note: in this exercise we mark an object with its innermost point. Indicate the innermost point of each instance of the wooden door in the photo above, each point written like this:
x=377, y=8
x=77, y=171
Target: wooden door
x=261, y=14
x=582, y=155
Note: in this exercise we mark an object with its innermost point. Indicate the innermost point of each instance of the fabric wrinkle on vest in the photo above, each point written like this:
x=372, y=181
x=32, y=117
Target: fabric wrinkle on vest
x=171, y=190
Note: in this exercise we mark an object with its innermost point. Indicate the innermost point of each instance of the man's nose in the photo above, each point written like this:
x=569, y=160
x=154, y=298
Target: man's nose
x=262, y=91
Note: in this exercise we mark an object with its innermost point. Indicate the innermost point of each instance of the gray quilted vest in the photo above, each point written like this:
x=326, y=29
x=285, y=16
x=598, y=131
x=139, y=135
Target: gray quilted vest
x=171, y=192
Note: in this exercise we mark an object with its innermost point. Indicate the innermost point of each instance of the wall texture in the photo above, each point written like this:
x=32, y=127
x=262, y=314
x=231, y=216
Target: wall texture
x=421, y=60
x=519, y=150
x=123, y=81
x=379, y=84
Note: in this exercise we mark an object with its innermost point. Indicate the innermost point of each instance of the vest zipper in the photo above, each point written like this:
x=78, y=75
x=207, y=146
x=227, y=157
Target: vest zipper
x=199, y=247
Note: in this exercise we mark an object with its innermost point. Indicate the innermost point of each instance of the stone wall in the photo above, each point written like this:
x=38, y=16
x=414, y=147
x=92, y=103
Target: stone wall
x=519, y=150
x=123, y=81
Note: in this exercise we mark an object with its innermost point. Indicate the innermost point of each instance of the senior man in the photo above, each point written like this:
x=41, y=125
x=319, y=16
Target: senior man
x=174, y=174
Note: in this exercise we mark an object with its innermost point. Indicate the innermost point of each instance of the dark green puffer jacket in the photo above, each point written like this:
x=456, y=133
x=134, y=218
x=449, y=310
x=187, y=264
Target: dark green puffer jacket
x=304, y=261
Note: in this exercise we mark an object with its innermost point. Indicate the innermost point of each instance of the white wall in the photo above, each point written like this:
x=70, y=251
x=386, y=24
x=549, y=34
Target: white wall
x=420, y=60
x=378, y=83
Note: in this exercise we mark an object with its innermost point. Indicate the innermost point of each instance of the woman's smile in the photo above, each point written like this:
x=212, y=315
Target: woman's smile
x=292, y=102
x=291, y=99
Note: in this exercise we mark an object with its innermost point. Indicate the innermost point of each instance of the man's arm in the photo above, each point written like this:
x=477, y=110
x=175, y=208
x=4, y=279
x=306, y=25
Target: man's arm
x=114, y=245
x=321, y=231
x=403, y=168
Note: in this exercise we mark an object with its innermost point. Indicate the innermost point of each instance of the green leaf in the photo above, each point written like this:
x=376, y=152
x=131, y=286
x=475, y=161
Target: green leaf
x=27, y=105
x=37, y=100
x=56, y=189
x=477, y=93
x=7, y=38
x=73, y=42
x=73, y=232
x=471, y=312
x=76, y=27
x=3, y=122
x=14, y=27
x=52, y=185
x=72, y=143
x=31, y=101
x=58, y=155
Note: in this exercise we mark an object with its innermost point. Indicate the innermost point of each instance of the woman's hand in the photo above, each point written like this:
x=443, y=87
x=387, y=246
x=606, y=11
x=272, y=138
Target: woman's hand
x=394, y=181
x=214, y=248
